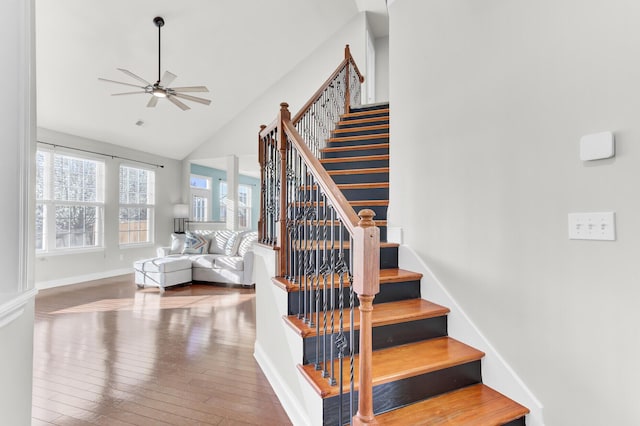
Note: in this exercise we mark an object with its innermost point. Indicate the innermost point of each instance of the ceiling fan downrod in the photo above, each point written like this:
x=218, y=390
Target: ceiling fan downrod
x=159, y=22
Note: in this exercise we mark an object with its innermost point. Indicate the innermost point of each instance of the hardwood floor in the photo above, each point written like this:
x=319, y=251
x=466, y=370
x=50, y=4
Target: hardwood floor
x=107, y=353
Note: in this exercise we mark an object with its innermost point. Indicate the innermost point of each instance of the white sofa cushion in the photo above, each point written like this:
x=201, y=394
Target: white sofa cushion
x=235, y=263
x=177, y=243
x=162, y=264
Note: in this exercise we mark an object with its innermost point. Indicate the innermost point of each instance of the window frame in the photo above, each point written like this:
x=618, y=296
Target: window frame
x=50, y=204
x=206, y=193
x=151, y=207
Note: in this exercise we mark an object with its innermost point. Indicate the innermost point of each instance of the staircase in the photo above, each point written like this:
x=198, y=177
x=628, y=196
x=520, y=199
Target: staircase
x=421, y=376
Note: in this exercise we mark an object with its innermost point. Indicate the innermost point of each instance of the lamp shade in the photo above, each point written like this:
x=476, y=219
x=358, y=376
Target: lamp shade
x=181, y=210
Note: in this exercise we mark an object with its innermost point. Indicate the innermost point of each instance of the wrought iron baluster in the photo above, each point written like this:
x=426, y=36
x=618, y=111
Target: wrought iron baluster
x=325, y=270
x=352, y=341
x=341, y=340
x=332, y=376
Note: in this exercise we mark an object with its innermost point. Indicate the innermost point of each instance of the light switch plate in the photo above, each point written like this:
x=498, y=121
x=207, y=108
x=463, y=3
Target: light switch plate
x=592, y=226
x=597, y=146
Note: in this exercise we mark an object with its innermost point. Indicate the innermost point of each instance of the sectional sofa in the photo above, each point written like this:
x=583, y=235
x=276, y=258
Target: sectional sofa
x=218, y=256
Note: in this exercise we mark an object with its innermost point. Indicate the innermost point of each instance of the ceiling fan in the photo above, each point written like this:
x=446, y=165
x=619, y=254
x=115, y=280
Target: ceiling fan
x=160, y=88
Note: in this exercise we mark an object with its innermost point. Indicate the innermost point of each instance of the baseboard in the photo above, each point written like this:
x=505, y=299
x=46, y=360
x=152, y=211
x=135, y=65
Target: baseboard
x=496, y=372
x=288, y=401
x=43, y=285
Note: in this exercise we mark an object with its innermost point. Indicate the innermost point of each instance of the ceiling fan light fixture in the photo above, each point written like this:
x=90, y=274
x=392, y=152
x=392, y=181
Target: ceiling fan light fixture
x=159, y=93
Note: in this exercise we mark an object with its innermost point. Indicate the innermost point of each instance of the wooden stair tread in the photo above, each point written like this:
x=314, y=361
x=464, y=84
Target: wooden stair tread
x=398, y=362
x=369, y=202
x=359, y=137
x=475, y=405
x=352, y=185
x=359, y=171
x=321, y=222
x=352, y=159
x=383, y=314
x=355, y=148
x=352, y=203
x=387, y=276
x=367, y=112
x=360, y=129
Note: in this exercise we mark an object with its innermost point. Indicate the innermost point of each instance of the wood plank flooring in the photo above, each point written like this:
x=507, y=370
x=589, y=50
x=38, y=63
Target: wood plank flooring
x=106, y=353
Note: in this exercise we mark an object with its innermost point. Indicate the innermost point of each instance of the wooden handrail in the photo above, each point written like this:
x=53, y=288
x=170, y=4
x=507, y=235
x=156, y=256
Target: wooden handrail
x=345, y=63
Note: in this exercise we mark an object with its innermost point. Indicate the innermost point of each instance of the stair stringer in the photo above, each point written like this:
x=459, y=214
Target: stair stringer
x=496, y=372
x=278, y=349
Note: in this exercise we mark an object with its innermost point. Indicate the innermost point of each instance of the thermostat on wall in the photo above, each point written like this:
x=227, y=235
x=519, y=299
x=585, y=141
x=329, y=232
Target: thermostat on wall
x=597, y=146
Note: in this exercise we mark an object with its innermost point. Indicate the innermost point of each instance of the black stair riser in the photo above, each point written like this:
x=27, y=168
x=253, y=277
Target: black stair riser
x=311, y=232
x=355, y=153
x=359, y=164
x=366, y=194
x=370, y=114
x=376, y=107
x=516, y=422
x=382, y=337
x=388, y=255
x=356, y=194
x=359, y=132
x=391, y=292
x=360, y=177
x=349, y=125
x=357, y=142
x=399, y=393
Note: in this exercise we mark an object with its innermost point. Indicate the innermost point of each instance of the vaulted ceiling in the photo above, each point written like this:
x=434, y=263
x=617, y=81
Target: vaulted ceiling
x=235, y=48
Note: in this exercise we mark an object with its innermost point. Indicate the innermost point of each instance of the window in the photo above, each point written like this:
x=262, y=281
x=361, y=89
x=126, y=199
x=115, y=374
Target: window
x=244, y=204
x=69, y=202
x=223, y=201
x=200, y=197
x=137, y=199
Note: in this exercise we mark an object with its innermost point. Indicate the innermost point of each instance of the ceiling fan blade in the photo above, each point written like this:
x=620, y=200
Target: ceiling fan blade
x=193, y=98
x=127, y=93
x=179, y=104
x=130, y=74
x=167, y=78
x=190, y=89
x=152, y=102
x=119, y=82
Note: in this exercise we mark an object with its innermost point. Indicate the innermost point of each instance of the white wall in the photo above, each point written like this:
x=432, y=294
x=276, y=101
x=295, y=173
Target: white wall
x=17, y=124
x=489, y=100
x=382, y=68
x=240, y=135
x=54, y=270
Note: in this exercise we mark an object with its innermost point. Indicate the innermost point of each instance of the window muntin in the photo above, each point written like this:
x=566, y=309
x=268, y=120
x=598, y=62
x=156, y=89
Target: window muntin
x=137, y=201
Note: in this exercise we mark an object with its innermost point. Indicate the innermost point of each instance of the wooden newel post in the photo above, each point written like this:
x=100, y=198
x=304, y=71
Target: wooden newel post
x=366, y=284
x=283, y=115
x=261, y=149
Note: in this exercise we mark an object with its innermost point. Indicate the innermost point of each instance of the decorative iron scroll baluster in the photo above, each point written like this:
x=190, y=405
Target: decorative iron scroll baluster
x=352, y=341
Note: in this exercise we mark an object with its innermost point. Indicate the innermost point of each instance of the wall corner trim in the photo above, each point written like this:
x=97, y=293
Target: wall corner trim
x=12, y=305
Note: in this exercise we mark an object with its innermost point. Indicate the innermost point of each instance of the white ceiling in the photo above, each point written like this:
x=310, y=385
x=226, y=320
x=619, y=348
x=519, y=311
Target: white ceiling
x=236, y=48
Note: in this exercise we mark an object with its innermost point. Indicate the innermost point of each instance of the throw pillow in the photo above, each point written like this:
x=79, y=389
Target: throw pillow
x=177, y=243
x=195, y=244
x=231, y=248
x=219, y=241
x=246, y=242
